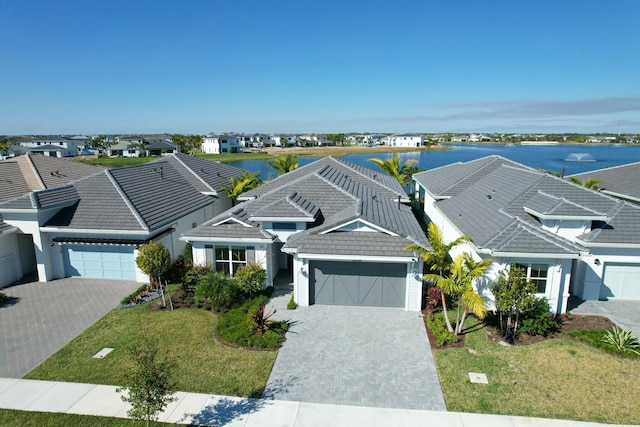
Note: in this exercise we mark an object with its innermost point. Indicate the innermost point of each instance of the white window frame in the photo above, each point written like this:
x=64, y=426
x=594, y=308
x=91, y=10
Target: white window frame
x=529, y=267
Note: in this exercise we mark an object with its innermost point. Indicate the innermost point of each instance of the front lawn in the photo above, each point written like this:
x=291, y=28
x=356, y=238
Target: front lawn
x=10, y=417
x=201, y=364
x=555, y=378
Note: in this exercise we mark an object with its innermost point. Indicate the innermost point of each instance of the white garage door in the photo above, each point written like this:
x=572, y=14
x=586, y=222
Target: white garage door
x=620, y=281
x=99, y=261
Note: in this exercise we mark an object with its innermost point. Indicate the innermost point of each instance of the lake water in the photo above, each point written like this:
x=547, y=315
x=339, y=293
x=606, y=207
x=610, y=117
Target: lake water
x=568, y=157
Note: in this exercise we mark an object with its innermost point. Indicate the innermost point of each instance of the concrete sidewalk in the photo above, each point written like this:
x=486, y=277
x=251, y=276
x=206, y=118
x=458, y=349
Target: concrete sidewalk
x=211, y=410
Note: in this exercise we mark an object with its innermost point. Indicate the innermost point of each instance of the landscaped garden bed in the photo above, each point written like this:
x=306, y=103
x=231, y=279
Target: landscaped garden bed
x=558, y=376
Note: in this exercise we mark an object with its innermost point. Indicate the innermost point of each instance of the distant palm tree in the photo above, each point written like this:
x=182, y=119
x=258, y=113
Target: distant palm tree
x=138, y=145
x=438, y=260
x=241, y=184
x=591, y=183
x=284, y=164
x=396, y=168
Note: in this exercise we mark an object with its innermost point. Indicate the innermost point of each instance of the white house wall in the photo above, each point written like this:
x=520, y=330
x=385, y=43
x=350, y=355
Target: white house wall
x=10, y=270
x=590, y=269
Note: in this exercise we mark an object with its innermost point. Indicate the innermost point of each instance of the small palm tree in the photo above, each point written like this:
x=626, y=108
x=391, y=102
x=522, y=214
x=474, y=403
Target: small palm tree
x=591, y=183
x=240, y=184
x=438, y=260
x=284, y=164
x=396, y=168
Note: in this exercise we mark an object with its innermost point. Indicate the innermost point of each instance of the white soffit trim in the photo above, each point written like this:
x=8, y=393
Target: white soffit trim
x=281, y=219
x=620, y=195
x=531, y=255
x=608, y=245
x=93, y=231
x=214, y=240
x=226, y=220
x=567, y=217
x=367, y=223
x=327, y=257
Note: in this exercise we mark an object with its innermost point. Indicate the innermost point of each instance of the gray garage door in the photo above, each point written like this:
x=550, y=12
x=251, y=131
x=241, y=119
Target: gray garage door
x=358, y=283
x=99, y=261
x=620, y=281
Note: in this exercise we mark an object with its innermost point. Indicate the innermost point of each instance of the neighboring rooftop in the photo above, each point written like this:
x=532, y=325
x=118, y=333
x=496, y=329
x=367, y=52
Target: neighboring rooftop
x=619, y=181
x=499, y=204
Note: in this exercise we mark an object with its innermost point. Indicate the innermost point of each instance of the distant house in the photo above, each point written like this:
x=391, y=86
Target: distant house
x=51, y=146
x=222, y=144
x=152, y=139
x=161, y=148
x=406, y=140
x=460, y=138
x=94, y=226
x=125, y=149
x=568, y=239
x=316, y=138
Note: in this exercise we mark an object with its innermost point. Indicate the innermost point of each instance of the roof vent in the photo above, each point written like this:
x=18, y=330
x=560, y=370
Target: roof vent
x=489, y=197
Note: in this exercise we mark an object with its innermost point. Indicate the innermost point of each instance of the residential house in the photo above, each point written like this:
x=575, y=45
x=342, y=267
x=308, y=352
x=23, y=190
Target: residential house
x=315, y=139
x=338, y=230
x=19, y=176
x=125, y=149
x=161, y=148
x=54, y=146
x=156, y=138
x=619, y=181
x=221, y=145
x=93, y=226
x=570, y=240
x=406, y=140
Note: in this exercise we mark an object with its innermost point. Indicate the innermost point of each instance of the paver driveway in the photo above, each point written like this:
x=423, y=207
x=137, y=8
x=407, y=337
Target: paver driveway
x=40, y=318
x=361, y=356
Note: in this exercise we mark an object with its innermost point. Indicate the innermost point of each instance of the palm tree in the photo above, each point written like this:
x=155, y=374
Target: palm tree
x=284, y=164
x=240, y=184
x=396, y=168
x=438, y=260
x=464, y=271
x=591, y=183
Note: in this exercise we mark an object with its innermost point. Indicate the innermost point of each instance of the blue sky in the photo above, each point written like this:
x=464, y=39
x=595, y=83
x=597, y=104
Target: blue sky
x=87, y=67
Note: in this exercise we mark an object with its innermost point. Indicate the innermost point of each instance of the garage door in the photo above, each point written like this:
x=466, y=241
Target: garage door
x=358, y=283
x=620, y=281
x=99, y=261
x=8, y=270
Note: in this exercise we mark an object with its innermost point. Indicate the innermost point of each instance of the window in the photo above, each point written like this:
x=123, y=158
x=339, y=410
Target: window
x=230, y=258
x=284, y=226
x=537, y=274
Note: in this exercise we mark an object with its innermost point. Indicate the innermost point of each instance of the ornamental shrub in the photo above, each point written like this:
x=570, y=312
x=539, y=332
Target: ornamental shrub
x=438, y=326
x=218, y=290
x=537, y=320
x=250, y=279
x=238, y=327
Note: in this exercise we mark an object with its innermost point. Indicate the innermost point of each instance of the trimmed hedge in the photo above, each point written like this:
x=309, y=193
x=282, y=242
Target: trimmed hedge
x=237, y=327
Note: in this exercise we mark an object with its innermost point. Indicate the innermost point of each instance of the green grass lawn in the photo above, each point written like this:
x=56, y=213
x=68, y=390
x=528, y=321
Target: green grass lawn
x=201, y=364
x=556, y=378
x=9, y=417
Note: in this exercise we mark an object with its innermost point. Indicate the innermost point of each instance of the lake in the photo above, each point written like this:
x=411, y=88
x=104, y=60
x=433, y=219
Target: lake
x=571, y=158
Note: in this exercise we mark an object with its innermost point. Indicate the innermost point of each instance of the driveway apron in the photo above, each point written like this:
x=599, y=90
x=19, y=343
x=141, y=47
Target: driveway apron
x=362, y=356
x=40, y=318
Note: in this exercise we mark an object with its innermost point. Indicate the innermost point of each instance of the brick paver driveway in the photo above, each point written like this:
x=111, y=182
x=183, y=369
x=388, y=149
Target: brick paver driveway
x=40, y=318
x=360, y=356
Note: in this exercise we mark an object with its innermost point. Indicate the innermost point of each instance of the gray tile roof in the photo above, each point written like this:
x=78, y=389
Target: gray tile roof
x=619, y=181
x=22, y=174
x=143, y=197
x=334, y=193
x=493, y=200
x=354, y=243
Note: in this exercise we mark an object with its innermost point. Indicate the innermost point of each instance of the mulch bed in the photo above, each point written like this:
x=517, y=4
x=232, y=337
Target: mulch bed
x=568, y=323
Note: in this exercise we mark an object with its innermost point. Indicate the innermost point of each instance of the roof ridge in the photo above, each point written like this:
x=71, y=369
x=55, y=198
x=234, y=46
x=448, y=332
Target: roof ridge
x=34, y=169
x=565, y=200
x=126, y=200
x=348, y=164
x=336, y=186
x=297, y=205
x=173, y=156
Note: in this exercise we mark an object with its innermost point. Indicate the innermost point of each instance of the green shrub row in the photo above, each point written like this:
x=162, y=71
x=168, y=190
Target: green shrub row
x=438, y=327
x=237, y=327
